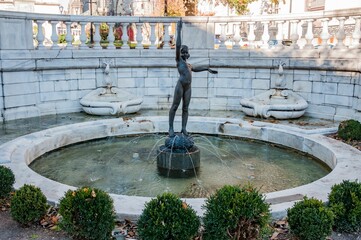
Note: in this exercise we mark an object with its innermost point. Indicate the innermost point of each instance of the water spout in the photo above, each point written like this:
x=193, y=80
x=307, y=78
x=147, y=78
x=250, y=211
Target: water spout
x=107, y=79
x=281, y=83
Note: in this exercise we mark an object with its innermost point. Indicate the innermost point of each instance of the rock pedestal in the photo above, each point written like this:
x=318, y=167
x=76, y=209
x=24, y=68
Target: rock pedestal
x=179, y=157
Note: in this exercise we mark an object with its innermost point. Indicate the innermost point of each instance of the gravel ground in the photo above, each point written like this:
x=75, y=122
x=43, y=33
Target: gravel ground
x=11, y=230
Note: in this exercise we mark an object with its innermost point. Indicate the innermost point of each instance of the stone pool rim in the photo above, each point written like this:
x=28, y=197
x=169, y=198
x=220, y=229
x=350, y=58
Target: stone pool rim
x=344, y=160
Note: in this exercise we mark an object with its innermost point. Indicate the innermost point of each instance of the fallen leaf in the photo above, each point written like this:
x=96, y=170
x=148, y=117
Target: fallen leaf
x=274, y=235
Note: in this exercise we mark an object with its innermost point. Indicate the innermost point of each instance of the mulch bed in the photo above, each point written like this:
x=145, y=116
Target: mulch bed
x=354, y=143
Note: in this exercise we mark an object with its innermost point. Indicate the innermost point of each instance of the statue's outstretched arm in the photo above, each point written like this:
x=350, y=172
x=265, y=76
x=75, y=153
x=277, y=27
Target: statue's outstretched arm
x=179, y=40
x=201, y=69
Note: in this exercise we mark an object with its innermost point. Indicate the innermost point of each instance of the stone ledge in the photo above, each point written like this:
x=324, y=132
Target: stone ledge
x=20, y=60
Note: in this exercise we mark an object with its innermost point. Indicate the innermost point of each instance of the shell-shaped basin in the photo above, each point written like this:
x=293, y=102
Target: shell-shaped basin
x=110, y=101
x=280, y=104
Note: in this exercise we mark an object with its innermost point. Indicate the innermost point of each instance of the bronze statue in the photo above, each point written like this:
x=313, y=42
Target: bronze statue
x=183, y=88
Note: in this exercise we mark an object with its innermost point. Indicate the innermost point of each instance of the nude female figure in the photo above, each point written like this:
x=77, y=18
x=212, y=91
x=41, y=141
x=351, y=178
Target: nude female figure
x=183, y=88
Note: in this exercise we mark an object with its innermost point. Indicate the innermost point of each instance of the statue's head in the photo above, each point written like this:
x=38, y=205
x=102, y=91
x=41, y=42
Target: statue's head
x=184, y=52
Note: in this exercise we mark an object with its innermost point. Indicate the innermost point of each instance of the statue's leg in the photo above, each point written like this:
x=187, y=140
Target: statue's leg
x=186, y=100
x=178, y=92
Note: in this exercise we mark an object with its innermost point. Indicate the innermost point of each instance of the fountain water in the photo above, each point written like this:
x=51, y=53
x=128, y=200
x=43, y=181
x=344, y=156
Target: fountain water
x=110, y=100
x=278, y=102
x=109, y=164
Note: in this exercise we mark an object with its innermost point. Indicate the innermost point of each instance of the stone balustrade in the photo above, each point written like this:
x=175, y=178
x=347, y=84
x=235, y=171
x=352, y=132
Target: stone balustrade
x=340, y=29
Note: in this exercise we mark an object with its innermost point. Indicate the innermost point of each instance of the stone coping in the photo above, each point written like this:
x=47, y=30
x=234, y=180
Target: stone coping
x=341, y=158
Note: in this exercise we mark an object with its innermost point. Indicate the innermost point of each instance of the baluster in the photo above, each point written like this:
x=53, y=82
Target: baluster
x=76, y=35
x=356, y=35
x=125, y=36
x=324, y=34
x=139, y=36
x=309, y=34
x=166, y=35
x=223, y=36
x=251, y=35
x=279, y=36
x=96, y=37
x=68, y=36
x=265, y=35
x=152, y=36
x=54, y=35
x=40, y=37
x=83, y=36
x=340, y=35
x=237, y=36
x=294, y=34
x=111, y=36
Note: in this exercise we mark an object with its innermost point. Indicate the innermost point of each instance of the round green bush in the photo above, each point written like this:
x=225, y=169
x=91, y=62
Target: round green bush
x=167, y=217
x=310, y=219
x=349, y=130
x=28, y=204
x=87, y=213
x=345, y=202
x=7, y=180
x=235, y=213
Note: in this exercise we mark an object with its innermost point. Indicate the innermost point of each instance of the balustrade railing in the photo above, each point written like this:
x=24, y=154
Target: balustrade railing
x=107, y=32
x=323, y=30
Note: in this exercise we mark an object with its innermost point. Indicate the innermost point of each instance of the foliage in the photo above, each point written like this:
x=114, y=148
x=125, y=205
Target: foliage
x=310, y=219
x=235, y=213
x=167, y=217
x=104, y=31
x=174, y=8
x=190, y=7
x=118, y=31
x=349, y=130
x=89, y=30
x=345, y=202
x=241, y=6
x=7, y=180
x=28, y=204
x=87, y=213
x=61, y=38
x=35, y=30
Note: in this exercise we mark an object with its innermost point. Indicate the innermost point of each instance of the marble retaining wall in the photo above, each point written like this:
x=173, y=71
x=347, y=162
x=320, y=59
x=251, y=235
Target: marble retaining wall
x=35, y=83
x=1, y=100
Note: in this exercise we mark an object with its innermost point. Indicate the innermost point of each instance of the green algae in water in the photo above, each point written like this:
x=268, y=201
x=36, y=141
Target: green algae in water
x=128, y=165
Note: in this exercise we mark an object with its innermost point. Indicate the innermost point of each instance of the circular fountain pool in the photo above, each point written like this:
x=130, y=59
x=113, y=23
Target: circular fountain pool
x=127, y=165
x=341, y=158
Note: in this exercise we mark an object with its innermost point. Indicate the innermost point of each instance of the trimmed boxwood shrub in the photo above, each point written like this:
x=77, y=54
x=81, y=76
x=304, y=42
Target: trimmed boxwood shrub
x=7, y=180
x=349, y=130
x=87, y=213
x=345, y=202
x=310, y=219
x=235, y=213
x=167, y=217
x=28, y=204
